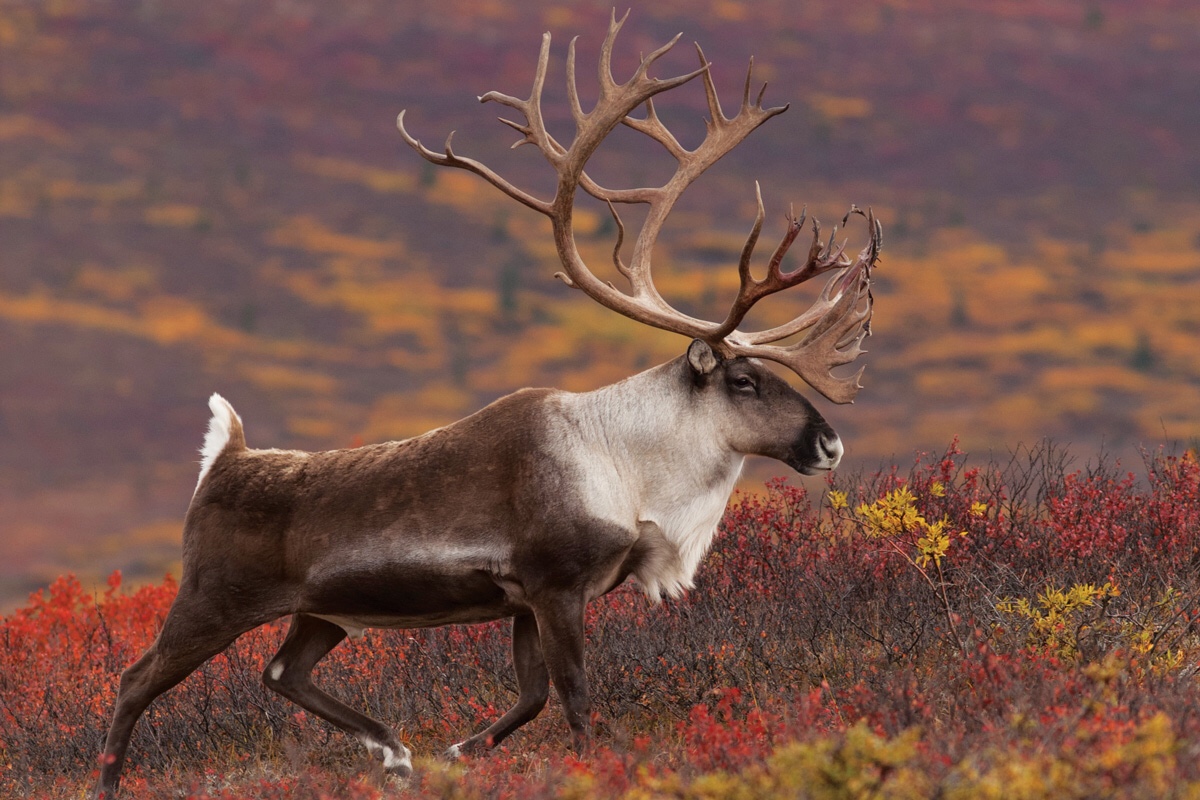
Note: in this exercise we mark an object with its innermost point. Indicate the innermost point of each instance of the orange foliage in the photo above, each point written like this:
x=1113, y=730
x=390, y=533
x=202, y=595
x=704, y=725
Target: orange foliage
x=839, y=108
x=173, y=215
x=309, y=233
x=379, y=180
x=13, y=126
x=118, y=285
x=282, y=378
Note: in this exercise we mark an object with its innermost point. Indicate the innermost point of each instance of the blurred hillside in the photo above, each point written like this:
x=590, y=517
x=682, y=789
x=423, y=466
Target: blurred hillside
x=213, y=196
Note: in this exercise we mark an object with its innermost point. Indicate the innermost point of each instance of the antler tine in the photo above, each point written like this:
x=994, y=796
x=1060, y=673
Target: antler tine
x=746, y=91
x=752, y=239
x=604, y=68
x=617, y=262
x=649, y=60
x=746, y=88
x=775, y=265
x=573, y=90
x=653, y=127
x=710, y=93
x=615, y=103
x=607, y=83
x=450, y=159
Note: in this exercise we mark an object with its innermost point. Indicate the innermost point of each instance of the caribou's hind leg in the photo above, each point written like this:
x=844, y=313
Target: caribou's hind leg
x=192, y=633
x=310, y=639
x=533, y=682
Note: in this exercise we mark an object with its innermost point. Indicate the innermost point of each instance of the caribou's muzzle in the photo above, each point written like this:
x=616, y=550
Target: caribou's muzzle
x=831, y=450
x=816, y=453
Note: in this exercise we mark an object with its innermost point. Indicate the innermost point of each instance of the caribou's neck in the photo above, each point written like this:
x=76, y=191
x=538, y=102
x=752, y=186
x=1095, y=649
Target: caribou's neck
x=654, y=460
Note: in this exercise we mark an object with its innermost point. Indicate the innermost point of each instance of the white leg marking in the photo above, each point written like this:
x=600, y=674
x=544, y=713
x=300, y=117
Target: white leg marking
x=392, y=761
x=454, y=752
x=276, y=671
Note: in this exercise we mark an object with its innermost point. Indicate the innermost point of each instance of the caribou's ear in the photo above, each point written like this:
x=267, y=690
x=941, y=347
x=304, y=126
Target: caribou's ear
x=701, y=357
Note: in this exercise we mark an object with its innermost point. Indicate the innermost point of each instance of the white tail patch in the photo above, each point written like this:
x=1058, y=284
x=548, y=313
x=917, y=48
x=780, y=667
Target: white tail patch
x=219, y=429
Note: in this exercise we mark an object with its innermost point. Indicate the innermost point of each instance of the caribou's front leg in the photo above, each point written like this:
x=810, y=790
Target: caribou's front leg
x=533, y=682
x=560, y=630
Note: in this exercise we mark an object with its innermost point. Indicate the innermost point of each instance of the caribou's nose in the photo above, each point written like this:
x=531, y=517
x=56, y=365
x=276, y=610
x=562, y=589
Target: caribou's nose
x=829, y=445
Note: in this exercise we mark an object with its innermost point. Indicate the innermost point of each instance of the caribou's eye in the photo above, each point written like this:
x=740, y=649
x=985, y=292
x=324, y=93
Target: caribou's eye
x=744, y=383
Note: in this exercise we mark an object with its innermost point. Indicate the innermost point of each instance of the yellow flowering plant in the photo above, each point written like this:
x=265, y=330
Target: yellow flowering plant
x=896, y=522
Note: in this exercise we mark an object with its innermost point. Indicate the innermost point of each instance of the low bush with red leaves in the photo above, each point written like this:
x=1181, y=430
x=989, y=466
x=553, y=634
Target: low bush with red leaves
x=1016, y=629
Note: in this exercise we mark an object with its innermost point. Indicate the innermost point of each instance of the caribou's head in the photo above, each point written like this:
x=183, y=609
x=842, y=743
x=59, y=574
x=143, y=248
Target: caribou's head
x=756, y=412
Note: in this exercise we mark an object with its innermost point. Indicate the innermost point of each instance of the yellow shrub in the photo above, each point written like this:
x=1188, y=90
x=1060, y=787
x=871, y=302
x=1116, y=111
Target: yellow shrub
x=1011, y=775
x=895, y=515
x=1057, y=618
x=859, y=764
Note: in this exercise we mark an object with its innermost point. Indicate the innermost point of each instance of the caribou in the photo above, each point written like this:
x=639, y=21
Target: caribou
x=540, y=502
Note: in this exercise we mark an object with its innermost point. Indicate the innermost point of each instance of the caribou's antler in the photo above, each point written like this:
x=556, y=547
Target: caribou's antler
x=835, y=324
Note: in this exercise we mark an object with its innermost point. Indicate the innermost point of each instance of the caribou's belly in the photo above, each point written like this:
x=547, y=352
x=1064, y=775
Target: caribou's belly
x=354, y=625
x=415, y=591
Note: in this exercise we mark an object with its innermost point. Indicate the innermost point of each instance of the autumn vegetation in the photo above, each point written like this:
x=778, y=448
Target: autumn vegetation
x=1023, y=628
x=212, y=196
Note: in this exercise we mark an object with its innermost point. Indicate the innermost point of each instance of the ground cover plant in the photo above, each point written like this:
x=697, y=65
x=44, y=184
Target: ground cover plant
x=1025, y=627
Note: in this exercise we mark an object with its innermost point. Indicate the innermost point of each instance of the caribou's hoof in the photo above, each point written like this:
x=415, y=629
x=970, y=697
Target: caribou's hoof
x=476, y=745
x=397, y=759
x=398, y=765
x=402, y=772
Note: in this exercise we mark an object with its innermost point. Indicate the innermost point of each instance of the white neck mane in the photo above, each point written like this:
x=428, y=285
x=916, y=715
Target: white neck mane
x=653, y=463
